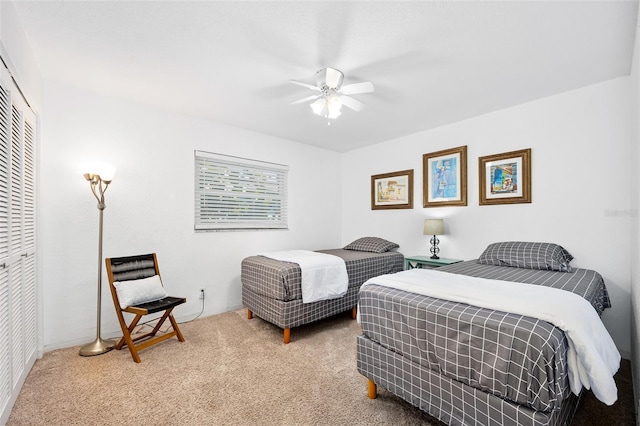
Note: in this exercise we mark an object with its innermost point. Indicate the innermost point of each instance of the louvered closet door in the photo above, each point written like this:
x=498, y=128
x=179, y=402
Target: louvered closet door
x=5, y=143
x=28, y=252
x=18, y=335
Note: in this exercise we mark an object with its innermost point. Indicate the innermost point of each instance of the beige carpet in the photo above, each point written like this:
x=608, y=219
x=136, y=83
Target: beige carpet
x=230, y=371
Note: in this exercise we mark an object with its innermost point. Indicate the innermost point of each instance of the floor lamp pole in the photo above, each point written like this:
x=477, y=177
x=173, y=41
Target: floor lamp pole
x=98, y=346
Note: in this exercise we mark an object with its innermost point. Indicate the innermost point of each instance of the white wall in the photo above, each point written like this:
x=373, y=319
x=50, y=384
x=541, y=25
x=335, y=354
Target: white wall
x=581, y=146
x=17, y=53
x=150, y=206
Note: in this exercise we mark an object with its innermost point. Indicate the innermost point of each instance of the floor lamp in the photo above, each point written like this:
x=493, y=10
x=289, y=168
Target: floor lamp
x=99, y=186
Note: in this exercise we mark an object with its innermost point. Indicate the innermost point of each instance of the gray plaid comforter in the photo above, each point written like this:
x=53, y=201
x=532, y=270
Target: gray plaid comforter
x=517, y=358
x=279, y=280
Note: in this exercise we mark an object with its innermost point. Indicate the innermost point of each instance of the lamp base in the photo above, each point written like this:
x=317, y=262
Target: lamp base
x=434, y=247
x=97, y=347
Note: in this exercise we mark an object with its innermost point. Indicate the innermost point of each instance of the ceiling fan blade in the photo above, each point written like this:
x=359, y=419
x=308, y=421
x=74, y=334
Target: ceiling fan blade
x=352, y=89
x=352, y=103
x=303, y=100
x=308, y=86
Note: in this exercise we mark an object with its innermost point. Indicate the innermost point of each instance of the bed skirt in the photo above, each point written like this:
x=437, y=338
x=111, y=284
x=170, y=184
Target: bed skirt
x=293, y=313
x=448, y=400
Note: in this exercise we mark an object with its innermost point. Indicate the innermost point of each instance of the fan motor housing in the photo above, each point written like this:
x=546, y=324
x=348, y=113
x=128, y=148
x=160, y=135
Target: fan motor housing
x=329, y=78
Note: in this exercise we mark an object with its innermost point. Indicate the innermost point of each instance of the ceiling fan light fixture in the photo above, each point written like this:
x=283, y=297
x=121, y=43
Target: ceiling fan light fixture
x=334, y=114
x=319, y=106
x=334, y=105
x=328, y=106
x=333, y=95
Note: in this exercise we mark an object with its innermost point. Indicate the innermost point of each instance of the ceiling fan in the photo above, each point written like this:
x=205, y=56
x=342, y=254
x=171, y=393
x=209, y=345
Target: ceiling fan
x=333, y=94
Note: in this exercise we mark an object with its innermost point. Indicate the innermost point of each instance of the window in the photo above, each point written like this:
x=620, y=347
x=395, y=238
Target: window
x=238, y=193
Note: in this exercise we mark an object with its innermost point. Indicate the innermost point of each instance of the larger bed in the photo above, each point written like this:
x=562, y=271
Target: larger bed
x=469, y=365
x=271, y=289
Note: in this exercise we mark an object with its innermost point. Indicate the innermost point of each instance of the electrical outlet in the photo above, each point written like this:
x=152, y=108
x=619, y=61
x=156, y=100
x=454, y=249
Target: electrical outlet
x=201, y=293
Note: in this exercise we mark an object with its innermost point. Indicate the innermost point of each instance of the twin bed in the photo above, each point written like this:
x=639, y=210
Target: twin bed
x=462, y=364
x=272, y=290
x=470, y=365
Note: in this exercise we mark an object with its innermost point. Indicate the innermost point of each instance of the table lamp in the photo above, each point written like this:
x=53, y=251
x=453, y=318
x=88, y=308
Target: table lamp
x=434, y=227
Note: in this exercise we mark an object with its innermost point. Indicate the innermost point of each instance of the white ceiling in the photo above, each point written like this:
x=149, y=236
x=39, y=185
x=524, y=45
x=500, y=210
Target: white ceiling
x=432, y=63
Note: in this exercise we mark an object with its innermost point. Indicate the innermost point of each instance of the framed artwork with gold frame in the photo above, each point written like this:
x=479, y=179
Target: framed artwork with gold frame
x=445, y=178
x=505, y=178
x=392, y=190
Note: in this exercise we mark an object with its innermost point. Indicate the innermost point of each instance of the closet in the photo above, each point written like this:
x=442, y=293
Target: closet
x=18, y=325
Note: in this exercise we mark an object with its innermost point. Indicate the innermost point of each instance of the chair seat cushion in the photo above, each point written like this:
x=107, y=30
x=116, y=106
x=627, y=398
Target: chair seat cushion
x=135, y=292
x=161, y=305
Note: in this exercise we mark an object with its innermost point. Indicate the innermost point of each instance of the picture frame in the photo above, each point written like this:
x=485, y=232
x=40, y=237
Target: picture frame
x=392, y=190
x=505, y=178
x=445, y=178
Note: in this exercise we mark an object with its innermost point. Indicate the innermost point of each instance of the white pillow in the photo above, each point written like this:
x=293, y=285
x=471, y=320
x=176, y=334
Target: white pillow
x=135, y=292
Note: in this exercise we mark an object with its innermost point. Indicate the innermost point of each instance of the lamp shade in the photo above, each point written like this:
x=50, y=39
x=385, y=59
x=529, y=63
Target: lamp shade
x=334, y=104
x=107, y=172
x=327, y=106
x=104, y=170
x=319, y=106
x=434, y=227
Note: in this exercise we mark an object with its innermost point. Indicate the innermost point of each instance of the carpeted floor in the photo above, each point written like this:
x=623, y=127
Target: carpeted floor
x=235, y=371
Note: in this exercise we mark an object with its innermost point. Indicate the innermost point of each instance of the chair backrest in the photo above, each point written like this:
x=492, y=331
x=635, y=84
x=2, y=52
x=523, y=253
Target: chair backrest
x=132, y=267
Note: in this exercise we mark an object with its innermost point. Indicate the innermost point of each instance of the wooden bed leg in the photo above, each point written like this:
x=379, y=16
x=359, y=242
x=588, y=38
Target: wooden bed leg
x=372, y=389
x=287, y=335
x=354, y=312
x=249, y=314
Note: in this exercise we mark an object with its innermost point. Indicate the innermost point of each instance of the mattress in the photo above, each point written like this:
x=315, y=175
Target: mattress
x=516, y=358
x=584, y=282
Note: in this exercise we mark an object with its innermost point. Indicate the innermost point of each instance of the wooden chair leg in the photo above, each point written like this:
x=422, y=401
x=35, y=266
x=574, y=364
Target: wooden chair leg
x=126, y=332
x=126, y=338
x=249, y=314
x=134, y=353
x=372, y=390
x=287, y=335
x=354, y=312
x=121, y=343
x=161, y=321
x=174, y=324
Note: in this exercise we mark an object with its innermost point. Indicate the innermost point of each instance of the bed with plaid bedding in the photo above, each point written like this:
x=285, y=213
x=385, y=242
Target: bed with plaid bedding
x=271, y=289
x=469, y=365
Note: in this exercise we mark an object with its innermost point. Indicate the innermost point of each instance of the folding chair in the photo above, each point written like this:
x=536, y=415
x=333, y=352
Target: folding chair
x=135, y=277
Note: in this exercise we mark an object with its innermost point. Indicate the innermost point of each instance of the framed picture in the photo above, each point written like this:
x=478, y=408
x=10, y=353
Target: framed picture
x=445, y=178
x=505, y=178
x=392, y=190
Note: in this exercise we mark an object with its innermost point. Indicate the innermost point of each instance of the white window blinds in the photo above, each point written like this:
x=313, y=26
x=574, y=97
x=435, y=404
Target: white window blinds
x=238, y=193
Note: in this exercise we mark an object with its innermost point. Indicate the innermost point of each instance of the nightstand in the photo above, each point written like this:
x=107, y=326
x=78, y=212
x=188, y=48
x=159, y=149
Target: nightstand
x=426, y=262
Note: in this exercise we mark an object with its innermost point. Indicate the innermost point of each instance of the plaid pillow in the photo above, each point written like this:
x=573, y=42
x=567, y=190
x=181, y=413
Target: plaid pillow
x=371, y=244
x=546, y=256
